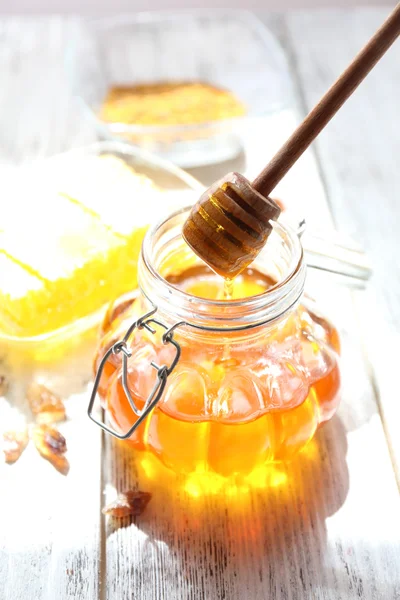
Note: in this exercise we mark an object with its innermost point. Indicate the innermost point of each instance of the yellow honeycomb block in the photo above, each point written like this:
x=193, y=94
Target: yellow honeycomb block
x=73, y=245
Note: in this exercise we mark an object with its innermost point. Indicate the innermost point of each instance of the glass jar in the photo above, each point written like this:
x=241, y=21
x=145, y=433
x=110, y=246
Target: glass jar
x=216, y=386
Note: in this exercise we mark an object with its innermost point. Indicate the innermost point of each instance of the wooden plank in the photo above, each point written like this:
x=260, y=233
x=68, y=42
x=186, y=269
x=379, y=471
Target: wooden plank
x=49, y=524
x=359, y=149
x=328, y=533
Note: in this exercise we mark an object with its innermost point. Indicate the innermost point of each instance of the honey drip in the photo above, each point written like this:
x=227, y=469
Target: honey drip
x=229, y=285
x=228, y=288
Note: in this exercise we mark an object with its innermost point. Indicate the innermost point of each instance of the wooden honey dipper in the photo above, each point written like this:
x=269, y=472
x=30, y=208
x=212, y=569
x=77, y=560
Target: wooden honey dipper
x=230, y=223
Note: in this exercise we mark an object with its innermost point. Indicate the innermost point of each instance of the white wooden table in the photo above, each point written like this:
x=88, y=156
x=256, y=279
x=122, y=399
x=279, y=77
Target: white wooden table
x=336, y=533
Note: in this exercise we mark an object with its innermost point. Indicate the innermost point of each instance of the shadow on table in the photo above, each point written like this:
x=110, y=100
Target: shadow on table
x=247, y=544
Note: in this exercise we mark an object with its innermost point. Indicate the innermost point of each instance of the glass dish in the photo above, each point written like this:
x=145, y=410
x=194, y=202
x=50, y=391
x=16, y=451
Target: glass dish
x=196, y=45
x=174, y=187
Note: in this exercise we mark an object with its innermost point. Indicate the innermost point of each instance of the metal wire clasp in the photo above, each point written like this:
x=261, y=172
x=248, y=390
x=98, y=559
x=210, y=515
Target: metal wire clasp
x=163, y=372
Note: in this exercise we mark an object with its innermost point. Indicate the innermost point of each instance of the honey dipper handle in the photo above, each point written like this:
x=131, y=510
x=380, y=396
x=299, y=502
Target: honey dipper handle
x=329, y=104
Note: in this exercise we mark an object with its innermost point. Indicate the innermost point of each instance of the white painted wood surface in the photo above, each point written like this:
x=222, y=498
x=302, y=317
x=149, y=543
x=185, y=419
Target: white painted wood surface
x=359, y=151
x=49, y=524
x=335, y=533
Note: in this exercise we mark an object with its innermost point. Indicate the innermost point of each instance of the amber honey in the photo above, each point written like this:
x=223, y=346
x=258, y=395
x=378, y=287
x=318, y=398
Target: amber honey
x=236, y=400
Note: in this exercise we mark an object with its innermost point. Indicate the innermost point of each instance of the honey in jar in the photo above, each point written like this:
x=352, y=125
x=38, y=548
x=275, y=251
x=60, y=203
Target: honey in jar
x=251, y=369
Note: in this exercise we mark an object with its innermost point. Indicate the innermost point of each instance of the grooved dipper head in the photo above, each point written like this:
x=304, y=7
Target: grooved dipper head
x=230, y=224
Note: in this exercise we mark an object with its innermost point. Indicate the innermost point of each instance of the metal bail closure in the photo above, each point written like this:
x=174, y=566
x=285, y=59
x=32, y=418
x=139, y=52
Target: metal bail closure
x=162, y=372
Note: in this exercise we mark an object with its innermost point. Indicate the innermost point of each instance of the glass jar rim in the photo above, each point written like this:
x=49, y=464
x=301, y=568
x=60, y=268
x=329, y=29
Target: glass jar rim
x=253, y=310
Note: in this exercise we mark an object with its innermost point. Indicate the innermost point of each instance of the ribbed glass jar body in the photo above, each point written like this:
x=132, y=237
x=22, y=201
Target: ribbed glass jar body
x=257, y=375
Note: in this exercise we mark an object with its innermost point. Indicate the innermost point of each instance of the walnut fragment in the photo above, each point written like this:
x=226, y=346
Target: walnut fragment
x=46, y=405
x=129, y=503
x=14, y=443
x=51, y=444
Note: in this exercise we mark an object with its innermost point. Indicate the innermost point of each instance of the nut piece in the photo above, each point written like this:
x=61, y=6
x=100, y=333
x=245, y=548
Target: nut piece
x=14, y=443
x=45, y=405
x=51, y=444
x=3, y=385
x=130, y=503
